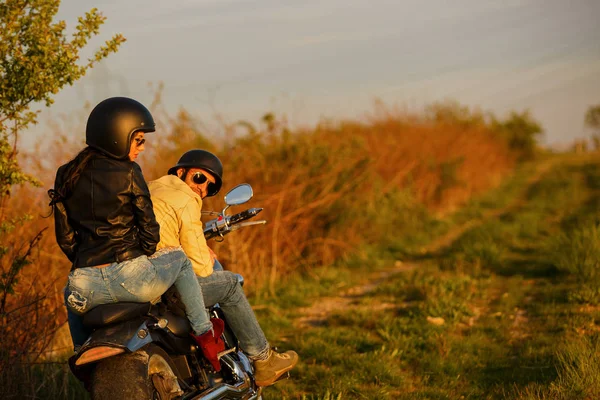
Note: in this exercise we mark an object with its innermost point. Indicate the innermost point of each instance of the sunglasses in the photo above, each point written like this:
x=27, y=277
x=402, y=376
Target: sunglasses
x=199, y=178
x=139, y=142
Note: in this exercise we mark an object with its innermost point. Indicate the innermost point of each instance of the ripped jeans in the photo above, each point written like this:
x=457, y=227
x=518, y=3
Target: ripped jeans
x=138, y=280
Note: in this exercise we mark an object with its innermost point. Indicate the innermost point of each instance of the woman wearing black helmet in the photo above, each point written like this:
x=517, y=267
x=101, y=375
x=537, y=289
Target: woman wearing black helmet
x=105, y=223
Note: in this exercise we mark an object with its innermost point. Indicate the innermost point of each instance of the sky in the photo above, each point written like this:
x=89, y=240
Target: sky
x=332, y=59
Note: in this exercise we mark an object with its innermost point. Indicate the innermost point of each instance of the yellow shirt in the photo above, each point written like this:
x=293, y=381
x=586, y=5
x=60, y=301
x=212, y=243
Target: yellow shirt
x=178, y=210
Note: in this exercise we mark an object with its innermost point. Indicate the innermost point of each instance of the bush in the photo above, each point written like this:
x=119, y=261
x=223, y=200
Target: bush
x=578, y=371
x=578, y=252
x=520, y=132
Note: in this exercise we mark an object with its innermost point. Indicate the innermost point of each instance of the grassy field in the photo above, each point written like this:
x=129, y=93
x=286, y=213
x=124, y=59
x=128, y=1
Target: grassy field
x=497, y=301
x=354, y=195
x=407, y=256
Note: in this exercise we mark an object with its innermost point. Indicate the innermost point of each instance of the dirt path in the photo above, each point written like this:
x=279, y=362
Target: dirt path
x=324, y=307
x=320, y=311
x=519, y=201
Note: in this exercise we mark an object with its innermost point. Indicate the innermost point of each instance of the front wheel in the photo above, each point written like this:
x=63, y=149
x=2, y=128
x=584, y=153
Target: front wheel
x=147, y=374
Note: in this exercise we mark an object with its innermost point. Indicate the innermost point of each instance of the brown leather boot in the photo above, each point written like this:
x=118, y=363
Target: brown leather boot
x=266, y=372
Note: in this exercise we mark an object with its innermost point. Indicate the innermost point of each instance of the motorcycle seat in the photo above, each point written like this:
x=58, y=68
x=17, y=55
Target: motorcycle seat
x=108, y=314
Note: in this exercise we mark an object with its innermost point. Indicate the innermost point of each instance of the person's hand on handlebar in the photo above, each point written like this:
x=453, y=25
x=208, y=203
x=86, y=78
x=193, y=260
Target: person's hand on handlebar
x=213, y=256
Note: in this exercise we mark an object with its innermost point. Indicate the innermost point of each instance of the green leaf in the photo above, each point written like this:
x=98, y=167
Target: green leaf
x=37, y=60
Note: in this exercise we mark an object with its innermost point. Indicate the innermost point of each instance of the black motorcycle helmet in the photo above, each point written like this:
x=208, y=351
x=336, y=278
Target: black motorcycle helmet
x=112, y=123
x=205, y=160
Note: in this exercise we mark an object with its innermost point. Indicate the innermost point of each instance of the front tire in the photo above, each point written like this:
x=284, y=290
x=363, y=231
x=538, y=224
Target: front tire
x=147, y=374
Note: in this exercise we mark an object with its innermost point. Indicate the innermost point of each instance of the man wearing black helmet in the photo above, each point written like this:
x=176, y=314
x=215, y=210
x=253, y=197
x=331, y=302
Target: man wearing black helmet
x=177, y=199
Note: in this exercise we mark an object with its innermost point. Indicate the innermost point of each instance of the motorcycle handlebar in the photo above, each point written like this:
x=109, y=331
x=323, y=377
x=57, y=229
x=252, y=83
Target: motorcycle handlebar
x=244, y=215
x=224, y=225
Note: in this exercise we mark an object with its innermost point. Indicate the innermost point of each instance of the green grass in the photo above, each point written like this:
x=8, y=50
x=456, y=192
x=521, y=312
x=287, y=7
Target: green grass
x=505, y=310
x=513, y=326
x=41, y=381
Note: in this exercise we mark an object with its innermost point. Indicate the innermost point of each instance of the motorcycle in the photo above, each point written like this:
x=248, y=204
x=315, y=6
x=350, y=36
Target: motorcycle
x=145, y=351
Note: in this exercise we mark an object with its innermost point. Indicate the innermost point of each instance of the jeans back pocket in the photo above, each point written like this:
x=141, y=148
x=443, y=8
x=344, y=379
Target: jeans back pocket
x=138, y=277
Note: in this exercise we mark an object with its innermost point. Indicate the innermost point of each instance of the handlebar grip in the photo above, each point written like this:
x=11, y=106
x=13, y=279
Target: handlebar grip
x=244, y=215
x=220, y=226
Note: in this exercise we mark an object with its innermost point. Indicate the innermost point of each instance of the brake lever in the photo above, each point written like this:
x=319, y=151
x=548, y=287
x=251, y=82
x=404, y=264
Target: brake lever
x=249, y=223
x=208, y=212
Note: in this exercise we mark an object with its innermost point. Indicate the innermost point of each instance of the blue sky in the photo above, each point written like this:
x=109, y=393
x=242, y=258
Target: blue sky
x=332, y=58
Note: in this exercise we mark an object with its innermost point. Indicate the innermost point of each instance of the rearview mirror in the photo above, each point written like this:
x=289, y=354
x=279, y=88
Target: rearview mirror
x=239, y=195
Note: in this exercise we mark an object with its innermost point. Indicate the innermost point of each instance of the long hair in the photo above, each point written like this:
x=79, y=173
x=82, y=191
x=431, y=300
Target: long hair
x=71, y=175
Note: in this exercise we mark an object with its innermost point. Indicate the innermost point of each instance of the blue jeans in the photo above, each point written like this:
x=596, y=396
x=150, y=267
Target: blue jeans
x=139, y=280
x=222, y=287
x=217, y=266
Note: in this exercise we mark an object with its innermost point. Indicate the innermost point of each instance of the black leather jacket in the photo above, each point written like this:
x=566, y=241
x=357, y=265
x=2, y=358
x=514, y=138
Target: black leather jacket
x=109, y=216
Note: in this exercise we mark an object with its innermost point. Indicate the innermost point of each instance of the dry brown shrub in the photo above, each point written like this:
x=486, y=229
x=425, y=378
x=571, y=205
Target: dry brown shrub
x=416, y=155
x=310, y=181
x=312, y=184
